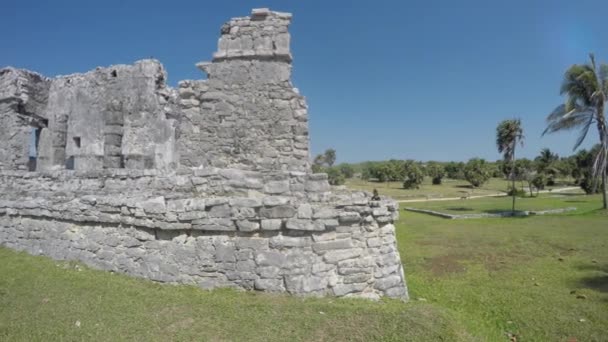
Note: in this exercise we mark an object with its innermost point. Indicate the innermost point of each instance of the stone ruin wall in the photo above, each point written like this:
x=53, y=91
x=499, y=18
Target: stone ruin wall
x=208, y=184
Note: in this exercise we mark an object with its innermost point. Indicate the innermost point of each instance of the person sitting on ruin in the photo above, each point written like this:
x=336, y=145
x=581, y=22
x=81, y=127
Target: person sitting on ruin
x=375, y=197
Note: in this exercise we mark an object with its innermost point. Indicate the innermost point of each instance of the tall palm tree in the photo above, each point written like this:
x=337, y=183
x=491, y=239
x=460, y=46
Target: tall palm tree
x=586, y=88
x=508, y=134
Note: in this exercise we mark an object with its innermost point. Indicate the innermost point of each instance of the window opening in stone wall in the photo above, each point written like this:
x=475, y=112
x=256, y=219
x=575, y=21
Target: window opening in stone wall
x=114, y=73
x=33, y=148
x=69, y=163
x=77, y=141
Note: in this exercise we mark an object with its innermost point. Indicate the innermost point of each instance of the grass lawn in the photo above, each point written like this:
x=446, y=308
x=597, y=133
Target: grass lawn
x=515, y=274
x=470, y=280
x=583, y=203
x=449, y=188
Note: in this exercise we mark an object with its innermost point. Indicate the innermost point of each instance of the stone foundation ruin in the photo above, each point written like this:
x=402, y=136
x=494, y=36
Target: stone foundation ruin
x=207, y=184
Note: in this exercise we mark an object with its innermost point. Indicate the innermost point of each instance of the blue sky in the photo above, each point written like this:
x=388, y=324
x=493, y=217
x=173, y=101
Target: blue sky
x=426, y=80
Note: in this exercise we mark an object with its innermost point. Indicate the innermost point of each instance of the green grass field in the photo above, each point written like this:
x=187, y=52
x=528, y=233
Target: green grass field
x=449, y=188
x=545, y=201
x=539, y=278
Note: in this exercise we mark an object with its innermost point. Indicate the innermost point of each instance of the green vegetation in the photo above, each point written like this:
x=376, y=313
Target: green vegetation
x=324, y=163
x=586, y=89
x=536, y=278
x=508, y=134
x=44, y=300
x=477, y=172
x=413, y=175
x=436, y=171
x=583, y=203
x=449, y=188
x=541, y=278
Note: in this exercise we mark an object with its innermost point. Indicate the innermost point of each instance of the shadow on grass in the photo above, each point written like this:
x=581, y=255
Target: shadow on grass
x=518, y=213
x=599, y=281
x=566, y=194
x=459, y=208
x=464, y=186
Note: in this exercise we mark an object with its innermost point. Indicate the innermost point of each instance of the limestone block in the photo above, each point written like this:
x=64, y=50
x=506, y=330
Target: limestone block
x=279, y=211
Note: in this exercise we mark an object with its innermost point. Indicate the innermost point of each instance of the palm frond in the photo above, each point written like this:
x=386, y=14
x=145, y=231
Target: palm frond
x=562, y=120
x=603, y=75
x=584, y=132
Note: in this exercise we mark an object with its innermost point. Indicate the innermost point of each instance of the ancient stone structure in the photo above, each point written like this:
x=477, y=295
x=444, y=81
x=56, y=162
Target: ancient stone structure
x=207, y=184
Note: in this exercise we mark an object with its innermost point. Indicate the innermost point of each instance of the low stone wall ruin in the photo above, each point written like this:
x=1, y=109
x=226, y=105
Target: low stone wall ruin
x=273, y=232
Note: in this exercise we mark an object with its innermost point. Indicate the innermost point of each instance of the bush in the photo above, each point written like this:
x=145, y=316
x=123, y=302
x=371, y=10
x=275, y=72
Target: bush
x=413, y=175
x=455, y=170
x=539, y=181
x=518, y=192
x=347, y=170
x=436, y=171
x=586, y=183
x=335, y=176
x=476, y=172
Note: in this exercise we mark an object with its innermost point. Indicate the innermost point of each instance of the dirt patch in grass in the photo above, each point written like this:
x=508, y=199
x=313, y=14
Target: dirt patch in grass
x=450, y=264
x=444, y=265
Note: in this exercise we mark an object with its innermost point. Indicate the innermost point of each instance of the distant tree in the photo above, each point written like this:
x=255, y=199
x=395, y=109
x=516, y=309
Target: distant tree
x=436, y=171
x=546, y=159
x=497, y=169
x=382, y=172
x=319, y=160
x=586, y=89
x=455, y=170
x=565, y=167
x=329, y=157
x=347, y=170
x=539, y=181
x=476, y=172
x=509, y=134
x=584, y=169
x=546, y=163
x=413, y=175
x=334, y=176
x=317, y=168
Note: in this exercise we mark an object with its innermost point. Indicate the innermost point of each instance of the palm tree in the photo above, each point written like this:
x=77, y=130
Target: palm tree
x=546, y=163
x=547, y=157
x=508, y=134
x=585, y=87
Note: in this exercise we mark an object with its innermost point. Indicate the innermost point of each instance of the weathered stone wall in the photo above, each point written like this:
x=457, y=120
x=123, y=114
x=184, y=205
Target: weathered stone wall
x=110, y=118
x=23, y=94
x=247, y=114
x=288, y=234
x=209, y=184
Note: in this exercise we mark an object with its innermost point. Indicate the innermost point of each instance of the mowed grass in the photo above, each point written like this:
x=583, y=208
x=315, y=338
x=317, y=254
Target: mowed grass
x=449, y=188
x=470, y=280
x=541, y=278
x=46, y=300
x=581, y=202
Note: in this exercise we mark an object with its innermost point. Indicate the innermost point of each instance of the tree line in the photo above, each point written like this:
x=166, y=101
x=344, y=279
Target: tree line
x=585, y=87
x=534, y=174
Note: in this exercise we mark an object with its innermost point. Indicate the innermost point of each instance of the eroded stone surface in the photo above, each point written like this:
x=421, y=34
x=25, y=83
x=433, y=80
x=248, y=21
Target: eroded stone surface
x=208, y=184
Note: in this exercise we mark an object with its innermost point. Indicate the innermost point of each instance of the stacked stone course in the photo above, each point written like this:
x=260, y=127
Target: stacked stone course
x=208, y=184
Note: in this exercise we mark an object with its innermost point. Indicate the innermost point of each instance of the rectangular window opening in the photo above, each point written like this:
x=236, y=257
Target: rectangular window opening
x=77, y=142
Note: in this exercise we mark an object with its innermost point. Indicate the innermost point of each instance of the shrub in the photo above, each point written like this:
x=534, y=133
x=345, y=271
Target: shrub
x=518, y=192
x=335, y=176
x=539, y=181
x=413, y=175
x=476, y=172
x=436, y=171
x=347, y=170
